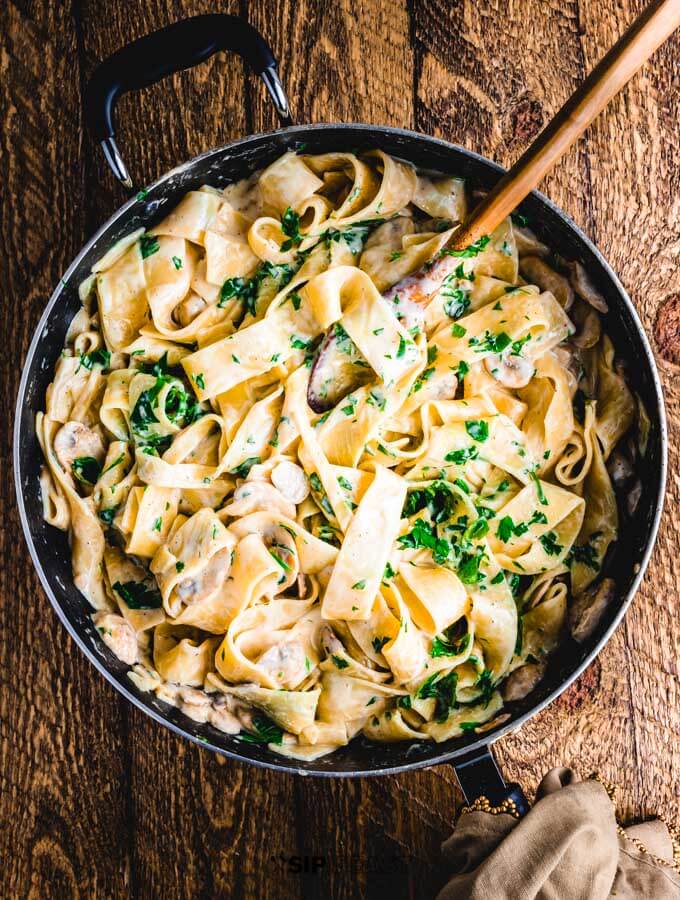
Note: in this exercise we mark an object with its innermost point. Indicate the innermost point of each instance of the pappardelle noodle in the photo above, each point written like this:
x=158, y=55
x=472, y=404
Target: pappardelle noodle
x=323, y=475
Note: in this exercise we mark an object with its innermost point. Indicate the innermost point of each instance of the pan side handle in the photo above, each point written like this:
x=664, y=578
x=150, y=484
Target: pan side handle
x=179, y=46
x=478, y=776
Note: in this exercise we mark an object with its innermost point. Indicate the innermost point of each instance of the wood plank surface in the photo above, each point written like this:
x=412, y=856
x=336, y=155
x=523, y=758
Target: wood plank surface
x=97, y=800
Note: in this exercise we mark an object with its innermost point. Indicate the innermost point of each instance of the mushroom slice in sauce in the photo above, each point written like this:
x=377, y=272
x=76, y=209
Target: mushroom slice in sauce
x=538, y=272
x=527, y=242
x=285, y=663
x=118, y=636
x=339, y=369
x=523, y=680
x=196, y=588
x=580, y=281
x=76, y=441
x=587, y=610
x=510, y=369
x=291, y=481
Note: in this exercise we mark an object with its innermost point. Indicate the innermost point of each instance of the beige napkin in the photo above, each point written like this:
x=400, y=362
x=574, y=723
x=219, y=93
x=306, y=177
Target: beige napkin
x=568, y=847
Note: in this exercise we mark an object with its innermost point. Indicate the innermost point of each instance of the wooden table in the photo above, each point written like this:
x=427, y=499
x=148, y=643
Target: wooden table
x=95, y=798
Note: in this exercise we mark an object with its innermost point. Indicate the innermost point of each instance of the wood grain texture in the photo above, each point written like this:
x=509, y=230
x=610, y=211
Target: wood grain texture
x=96, y=800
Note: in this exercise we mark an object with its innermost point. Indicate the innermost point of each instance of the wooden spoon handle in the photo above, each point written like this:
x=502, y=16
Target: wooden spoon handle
x=646, y=34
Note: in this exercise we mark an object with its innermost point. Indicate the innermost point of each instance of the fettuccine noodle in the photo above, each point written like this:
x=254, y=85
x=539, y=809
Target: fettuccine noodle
x=322, y=475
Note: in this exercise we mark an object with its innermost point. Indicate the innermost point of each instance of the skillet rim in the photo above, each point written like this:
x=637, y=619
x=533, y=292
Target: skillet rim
x=276, y=763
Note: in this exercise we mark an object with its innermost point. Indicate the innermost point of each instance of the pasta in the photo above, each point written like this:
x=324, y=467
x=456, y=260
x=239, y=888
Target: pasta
x=323, y=475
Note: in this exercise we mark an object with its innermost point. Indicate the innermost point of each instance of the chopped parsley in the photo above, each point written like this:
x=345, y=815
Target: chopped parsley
x=299, y=343
x=460, y=457
x=444, y=646
x=108, y=515
x=284, y=565
x=468, y=252
x=339, y=662
x=491, y=343
x=507, y=528
x=99, y=357
x=533, y=474
x=290, y=226
x=86, y=469
x=389, y=572
x=549, y=543
x=478, y=430
x=422, y=378
x=437, y=498
x=462, y=370
x=442, y=689
x=586, y=554
x=379, y=643
x=467, y=727
x=242, y=470
x=375, y=398
x=117, y=461
x=137, y=595
x=423, y=535
x=148, y=245
x=265, y=732
x=247, y=290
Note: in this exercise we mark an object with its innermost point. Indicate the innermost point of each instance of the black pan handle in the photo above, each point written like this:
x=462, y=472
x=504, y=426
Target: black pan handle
x=478, y=776
x=179, y=46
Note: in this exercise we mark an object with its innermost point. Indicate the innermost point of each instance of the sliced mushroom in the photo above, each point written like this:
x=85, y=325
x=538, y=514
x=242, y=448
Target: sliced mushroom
x=538, y=272
x=285, y=663
x=523, y=680
x=256, y=496
x=338, y=370
x=198, y=587
x=118, y=636
x=620, y=469
x=527, y=242
x=511, y=370
x=195, y=704
x=222, y=717
x=186, y=311
x=302, y=584
x=76, y=441
x=586, y=610
x=633, y=496
x=580, y=281
x=245, y=716
x=330, y=643
x=442, y=388
x=291, y=481
x=588, y=325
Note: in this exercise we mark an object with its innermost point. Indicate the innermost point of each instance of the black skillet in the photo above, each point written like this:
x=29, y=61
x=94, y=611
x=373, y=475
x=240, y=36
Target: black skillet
x=188, y=43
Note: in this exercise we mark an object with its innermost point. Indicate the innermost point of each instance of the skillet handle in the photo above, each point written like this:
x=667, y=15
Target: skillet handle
x=179, y=46
x=478, y=776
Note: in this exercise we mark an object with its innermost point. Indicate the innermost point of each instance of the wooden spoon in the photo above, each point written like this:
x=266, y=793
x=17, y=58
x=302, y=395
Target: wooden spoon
x=654, y=26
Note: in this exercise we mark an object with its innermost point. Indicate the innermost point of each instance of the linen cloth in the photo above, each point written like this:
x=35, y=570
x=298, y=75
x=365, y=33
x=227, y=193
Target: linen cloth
x=568, y=847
